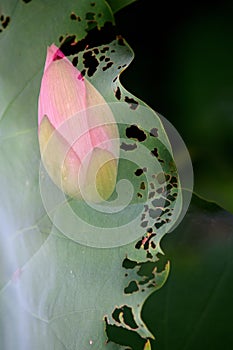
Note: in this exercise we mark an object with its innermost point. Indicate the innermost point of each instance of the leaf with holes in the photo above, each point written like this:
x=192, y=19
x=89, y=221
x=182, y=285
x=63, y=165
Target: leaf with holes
x=72, y=271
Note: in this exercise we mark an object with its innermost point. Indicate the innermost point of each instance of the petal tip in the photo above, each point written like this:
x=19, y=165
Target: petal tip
x=53, y=54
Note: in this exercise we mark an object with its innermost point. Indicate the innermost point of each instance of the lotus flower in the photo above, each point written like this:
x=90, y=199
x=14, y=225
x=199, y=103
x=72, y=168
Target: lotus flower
x=78, y=135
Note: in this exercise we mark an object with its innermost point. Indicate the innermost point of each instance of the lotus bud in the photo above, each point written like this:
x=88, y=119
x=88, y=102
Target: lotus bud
x=78, y=135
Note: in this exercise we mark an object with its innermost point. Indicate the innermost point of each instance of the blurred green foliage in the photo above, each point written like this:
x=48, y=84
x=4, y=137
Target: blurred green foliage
x=183, y=70
x=194, y=308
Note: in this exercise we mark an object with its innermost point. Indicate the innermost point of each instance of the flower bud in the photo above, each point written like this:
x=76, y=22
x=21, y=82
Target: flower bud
x=78, y=135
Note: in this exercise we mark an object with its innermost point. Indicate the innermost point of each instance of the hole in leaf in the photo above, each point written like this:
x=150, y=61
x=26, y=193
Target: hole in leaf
x=155, y=152
x=104, y=49
x=151, y=194
x=5, y=20
x=138, y=172
x=127, y=147
x=75, y=61
x=161, y=263
x=144, y=223
x=153, y=245
x=129, y=264
x=158, y=202
x=124, y=337
x=171, y=198
x=116, y=315
x=146, y=269
x=73, y=16
x=154, y=213
x=154, y=132
x=134, y=132
x=118, y=93
x=167, y=203
x=149, y=255
x=139, y=244
x=160, y=190
x=90, y=16
x=131, y=288
x=161, y=178
x=169, y=187
x=132, y=103
x=159, y=224
x=125, y=312
x=164, y=212
x=147, y=239
x=83, y=73
x=173, y=180
x=128, y=317
x=142, y=186
x=90, y=63
x=108, y=65
x=94, y=38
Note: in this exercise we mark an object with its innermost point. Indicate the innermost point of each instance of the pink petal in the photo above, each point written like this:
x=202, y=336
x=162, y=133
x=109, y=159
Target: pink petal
x=62, y=92
x=77, y=112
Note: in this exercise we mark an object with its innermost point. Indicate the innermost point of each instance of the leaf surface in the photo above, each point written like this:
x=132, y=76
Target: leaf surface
x=59, y=284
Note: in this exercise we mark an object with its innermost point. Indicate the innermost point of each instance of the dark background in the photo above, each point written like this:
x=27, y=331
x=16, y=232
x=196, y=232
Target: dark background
x=183, y=69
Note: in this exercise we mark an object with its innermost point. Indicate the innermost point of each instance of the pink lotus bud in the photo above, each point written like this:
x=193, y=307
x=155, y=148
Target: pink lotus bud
x=78, y=142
